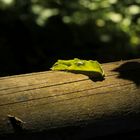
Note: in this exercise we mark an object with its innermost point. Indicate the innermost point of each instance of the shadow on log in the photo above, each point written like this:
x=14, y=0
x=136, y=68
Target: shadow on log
x=132, y=73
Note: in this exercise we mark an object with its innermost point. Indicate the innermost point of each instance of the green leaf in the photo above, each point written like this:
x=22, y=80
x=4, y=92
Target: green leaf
x=88, y=67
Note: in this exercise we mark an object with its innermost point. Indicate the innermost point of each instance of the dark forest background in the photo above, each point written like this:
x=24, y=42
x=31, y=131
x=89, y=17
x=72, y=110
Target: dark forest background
x=35, y=33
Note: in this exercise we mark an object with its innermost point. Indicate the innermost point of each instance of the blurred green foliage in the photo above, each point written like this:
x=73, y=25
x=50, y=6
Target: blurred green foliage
x=107, y=30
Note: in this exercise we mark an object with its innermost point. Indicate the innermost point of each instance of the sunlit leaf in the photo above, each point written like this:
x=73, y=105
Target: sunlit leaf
x=87, y=67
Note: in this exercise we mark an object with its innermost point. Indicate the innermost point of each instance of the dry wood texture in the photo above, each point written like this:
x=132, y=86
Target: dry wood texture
x=82, y=107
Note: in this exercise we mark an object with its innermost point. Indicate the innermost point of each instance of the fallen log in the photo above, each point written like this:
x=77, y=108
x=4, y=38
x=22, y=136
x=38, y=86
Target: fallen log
x=71, y=106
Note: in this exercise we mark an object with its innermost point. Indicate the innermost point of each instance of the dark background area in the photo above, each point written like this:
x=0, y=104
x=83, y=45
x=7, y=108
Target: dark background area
x=35, y=33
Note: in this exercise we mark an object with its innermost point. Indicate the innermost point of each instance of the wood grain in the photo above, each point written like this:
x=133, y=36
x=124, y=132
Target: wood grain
x=54, y=100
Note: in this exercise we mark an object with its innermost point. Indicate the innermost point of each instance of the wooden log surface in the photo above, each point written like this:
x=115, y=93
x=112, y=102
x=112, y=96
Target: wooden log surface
x=74, y=103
